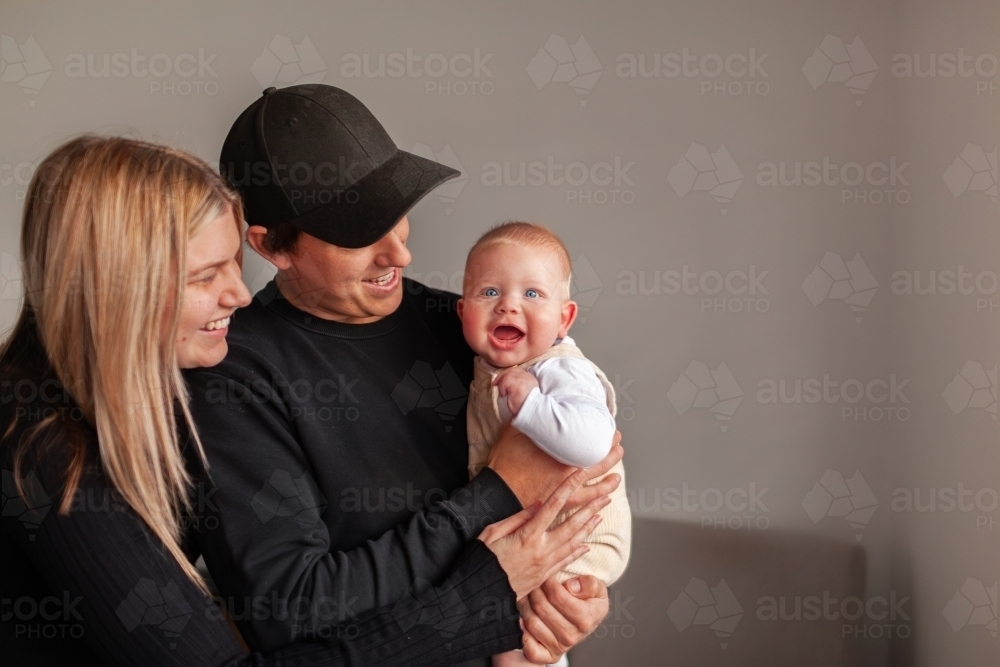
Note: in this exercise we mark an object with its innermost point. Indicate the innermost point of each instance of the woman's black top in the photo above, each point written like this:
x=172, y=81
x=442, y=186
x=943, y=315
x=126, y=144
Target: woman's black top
x=95, y=587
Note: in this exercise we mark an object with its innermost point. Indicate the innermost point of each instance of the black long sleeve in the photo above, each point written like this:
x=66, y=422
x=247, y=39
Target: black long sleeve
x=108, y=583
x=95, y=587
x=333, y=489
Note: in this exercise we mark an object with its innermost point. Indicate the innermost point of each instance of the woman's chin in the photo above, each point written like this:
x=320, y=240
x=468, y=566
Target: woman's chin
x=204, y=356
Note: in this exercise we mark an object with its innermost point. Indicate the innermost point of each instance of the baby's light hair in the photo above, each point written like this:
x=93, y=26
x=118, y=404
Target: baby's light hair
x=526, y=234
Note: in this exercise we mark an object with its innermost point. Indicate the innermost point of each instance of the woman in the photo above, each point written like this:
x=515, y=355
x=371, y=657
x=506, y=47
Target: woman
x=131, y=254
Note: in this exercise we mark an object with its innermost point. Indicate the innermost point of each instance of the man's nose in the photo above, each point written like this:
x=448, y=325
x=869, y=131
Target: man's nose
x=393, y=252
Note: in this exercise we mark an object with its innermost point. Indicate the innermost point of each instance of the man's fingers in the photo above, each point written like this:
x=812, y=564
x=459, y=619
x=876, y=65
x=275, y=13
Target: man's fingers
x=537, y=628
x=609, y=461
x=565, y=632
x=590, y=587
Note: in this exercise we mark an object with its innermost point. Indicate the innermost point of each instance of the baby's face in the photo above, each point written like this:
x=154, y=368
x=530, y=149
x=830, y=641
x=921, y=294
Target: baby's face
x=515, y=303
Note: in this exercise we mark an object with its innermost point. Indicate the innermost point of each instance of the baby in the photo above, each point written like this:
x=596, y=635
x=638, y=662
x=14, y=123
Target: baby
x=516, y=314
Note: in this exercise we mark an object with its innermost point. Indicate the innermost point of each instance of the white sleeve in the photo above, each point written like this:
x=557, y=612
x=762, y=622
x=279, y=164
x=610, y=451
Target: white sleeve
x=567, y=415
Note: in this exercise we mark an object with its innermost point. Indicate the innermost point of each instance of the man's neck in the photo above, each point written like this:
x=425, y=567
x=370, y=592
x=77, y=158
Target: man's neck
x=311, y=302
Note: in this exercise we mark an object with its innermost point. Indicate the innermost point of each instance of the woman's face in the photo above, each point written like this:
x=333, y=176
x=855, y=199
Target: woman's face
x=212, y=293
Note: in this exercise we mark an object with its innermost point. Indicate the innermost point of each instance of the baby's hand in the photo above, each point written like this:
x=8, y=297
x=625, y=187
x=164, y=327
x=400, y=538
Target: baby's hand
x=515, y=383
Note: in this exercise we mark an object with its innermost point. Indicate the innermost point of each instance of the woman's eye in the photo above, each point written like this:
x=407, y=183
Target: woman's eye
x=491, y=291
x=207, y=280
x=531, y=294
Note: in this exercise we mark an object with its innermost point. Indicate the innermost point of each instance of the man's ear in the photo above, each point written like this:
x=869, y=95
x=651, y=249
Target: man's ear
x=460, y=308
x=567, y=317
x=255, y=237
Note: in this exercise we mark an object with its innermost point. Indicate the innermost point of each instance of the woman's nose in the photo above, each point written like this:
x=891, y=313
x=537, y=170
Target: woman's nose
x=236, y=294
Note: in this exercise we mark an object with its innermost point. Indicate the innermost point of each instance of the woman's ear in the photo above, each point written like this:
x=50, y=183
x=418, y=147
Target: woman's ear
x=567, y=317
x=255, y=237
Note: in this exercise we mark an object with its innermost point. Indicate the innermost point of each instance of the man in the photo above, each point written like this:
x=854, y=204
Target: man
x=335, y=428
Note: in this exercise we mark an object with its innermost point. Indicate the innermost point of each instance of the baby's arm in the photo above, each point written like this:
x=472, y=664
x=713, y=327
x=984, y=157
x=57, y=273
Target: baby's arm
x=567, y=414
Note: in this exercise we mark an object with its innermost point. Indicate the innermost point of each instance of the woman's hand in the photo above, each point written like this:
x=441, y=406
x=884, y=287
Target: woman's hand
x=528, y=551
x=533, y=475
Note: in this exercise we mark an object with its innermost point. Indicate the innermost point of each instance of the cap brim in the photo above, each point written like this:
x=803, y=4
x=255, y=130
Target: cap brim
x=360, y=214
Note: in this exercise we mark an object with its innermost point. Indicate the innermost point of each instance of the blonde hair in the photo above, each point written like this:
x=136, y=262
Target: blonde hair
x=528, y=234
x=104, y=244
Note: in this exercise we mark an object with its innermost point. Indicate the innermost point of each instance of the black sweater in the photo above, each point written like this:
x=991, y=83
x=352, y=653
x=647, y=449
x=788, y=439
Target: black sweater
x=339, y=459
x=94, y=587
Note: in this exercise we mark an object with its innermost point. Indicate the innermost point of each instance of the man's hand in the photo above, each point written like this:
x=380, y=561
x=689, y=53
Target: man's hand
x=533, y=475
x=515, y=384
x=555, y=617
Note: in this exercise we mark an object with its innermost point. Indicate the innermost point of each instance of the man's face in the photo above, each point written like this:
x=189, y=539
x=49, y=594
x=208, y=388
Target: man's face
x=351, y=285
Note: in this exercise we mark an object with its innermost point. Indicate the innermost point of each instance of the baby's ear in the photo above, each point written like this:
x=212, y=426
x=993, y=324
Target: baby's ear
x=567, y=317
x=460, y=307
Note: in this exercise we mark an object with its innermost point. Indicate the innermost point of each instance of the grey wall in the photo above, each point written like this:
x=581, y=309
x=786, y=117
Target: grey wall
x=629, y=230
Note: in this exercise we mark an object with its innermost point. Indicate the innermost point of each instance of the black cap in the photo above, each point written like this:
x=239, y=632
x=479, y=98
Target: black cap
x=314, y=156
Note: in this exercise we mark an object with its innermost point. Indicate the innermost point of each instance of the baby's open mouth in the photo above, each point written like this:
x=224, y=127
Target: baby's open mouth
x=506, y=335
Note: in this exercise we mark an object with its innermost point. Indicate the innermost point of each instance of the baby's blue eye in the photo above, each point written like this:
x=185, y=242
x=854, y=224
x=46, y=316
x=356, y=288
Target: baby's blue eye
x=491, y=291
x=531, y=293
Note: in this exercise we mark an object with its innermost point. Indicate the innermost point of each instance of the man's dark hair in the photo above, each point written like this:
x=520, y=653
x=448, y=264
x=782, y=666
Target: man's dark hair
x=282, y=237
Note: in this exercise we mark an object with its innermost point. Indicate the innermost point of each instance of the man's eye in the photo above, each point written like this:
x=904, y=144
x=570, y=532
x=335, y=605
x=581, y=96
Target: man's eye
x=531, y=294
x=491, y=291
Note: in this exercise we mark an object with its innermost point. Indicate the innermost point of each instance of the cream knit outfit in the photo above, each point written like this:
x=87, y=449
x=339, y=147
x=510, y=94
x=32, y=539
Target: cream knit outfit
x=611, y=542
